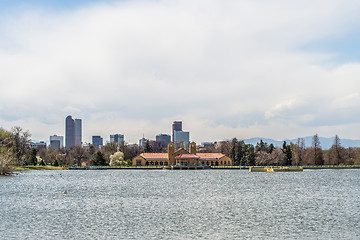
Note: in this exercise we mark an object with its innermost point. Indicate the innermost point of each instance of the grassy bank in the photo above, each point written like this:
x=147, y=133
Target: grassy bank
x=25, y=168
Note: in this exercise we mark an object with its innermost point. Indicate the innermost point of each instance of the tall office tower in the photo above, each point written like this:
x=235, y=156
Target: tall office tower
x=181, y=136
x=56, y=142
x=73, y=132
x=97, y=141
x=78, y=132
x=176, y=126
x=69, y=132
x=182, y=139
x=142, y=142
x=164, y=139
x=118, y=138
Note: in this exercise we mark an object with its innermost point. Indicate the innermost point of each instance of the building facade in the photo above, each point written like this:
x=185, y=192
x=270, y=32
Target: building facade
x=56, y=142
x=97, y=141
x=163, y=139
x=78, y=132
x=73, y=132
x=69, y=132
x=38, y=145
x=182, y=139
x=181, y=157
x=142, y=142
x=176, y=126
x=118, y=138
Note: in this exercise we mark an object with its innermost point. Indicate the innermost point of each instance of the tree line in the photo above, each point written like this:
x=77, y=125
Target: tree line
x=264, y=154
x=15, y=150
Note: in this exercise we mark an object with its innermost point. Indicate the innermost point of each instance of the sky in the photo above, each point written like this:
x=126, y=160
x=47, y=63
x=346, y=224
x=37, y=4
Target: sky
x=252, y=68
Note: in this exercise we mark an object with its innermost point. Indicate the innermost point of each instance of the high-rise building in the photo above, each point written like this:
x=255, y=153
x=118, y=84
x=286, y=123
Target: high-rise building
x=73, y=132
x=180, y=136
x=163, y=139
x=182, y=139
x=176, y=126
x=69, y=132
x=97, y=141
x=78, y=132
x=118, y=138
x=56, y=142
x=142, y=142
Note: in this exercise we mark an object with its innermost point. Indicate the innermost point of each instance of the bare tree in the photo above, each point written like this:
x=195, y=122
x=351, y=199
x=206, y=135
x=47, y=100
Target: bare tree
x=336, y=152
x=314, y=155
x=298, y=151
x=21, y=147
x=278, y=157
x=262, y=158
x=223, y=147
x=78, y=155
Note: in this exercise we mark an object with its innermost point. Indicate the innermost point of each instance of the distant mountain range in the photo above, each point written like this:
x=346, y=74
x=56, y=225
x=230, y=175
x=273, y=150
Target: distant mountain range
x=325, y=143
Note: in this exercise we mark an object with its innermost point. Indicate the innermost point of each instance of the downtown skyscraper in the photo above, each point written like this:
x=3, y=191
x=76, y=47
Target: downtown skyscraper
x=73, y=132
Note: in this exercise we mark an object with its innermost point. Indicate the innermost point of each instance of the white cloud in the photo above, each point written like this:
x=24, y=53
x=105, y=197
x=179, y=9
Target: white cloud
x=226, y=69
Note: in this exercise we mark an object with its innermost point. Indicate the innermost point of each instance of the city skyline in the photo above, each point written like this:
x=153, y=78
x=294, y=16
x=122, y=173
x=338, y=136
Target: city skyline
x=243, y=69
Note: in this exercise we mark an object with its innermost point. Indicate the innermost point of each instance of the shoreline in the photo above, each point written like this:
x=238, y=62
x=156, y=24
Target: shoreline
x=29, y=168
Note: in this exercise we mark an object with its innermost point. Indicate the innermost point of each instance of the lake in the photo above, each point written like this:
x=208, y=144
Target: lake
x=158, y=204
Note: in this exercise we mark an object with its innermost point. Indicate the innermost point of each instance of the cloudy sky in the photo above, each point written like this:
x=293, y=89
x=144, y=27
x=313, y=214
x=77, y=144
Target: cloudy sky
x=251, y=68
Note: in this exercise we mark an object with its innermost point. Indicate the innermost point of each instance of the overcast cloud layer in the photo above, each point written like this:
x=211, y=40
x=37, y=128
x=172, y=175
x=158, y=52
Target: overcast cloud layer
x=226, y=69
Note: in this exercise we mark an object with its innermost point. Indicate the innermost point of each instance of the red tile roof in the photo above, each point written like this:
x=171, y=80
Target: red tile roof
x=154, y=155
x=210, y=155
x=201, y=156
x=182, y=156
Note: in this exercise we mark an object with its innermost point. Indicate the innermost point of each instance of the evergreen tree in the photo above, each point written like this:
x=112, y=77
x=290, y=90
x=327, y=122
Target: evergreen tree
x=287, y=150
x=263, y=146
x=240, y=152
x=271, y=148
x=249, y=155
x=147, y=148
x=55, y=163
x=318, y=154
x=98, y=160
x=232, y=154
x=32, y=158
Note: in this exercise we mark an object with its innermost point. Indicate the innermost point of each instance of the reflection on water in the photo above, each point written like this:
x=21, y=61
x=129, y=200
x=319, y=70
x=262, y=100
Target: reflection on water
x=156, y=204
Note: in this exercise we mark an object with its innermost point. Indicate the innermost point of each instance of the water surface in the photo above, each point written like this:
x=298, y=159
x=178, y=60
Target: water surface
x=157, y=204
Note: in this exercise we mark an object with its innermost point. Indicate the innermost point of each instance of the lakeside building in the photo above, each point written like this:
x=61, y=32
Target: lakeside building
x=181, y=157
x=97, y=141
x=73, y=132
x=56, y=142
x=118, y=138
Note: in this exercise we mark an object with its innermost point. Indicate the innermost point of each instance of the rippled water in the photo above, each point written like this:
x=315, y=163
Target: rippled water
x=156, y=204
